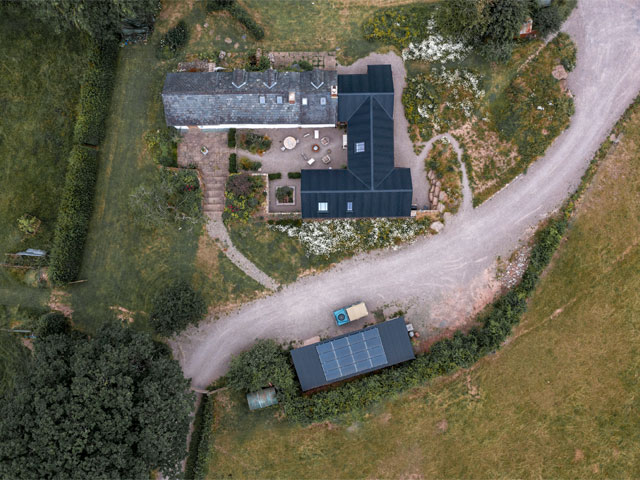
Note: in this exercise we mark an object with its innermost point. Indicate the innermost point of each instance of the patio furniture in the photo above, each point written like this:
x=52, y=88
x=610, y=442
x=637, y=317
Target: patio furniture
x=311, y=161
x=326, y=159
x=283, y=148
x=324, y=141
x=289, y=143
x=316, y=134
x=304, y=157
x=204, y=150
x=306, y=135
x=315, y=147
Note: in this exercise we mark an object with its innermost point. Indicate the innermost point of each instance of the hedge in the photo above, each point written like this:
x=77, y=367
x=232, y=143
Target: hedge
x=233, y=163
x=294, y=174
x=275, y=176
x=200, y=444
x=231, y=138
x=74, y=215
x=95, y=94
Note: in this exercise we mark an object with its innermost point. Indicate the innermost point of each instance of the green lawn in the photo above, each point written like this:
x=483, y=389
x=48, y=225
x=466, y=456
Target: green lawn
x=560, y=400
x=124, y=265
x=41, y=73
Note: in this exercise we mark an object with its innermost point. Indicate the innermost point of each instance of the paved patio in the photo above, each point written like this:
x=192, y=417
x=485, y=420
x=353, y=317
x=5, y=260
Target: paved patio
x=275, y=160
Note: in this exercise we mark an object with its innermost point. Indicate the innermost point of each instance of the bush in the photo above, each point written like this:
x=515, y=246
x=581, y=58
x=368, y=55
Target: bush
x=547, y=20
x=255, y=64
x=284, y=194
x=53, y=323
x=399, y=26
x=265, y=364
x=95, y=94
x=74, y=215
x=162, y=144
x=233, y=163
x=173, y=41
x=200, y=444
x=239, y=13
x=231, y=138
x=294, y=174
x=275, y=176
x=254, y=142
x=217, y=5
x=175, y=308
x=247, y=164
x=305, y=65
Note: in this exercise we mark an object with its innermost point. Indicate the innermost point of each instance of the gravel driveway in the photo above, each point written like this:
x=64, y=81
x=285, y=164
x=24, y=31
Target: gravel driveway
x=441, y=279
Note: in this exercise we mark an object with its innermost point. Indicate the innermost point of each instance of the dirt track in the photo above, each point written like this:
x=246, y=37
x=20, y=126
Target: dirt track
x=439, y=280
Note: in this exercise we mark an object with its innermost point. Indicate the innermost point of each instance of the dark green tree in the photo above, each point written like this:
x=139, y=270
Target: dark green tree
x=111, y=406
x=547, y=20
x=266, y=363
x=54, y=323
x=175, y=307
x=101, y=19
x=504, y=19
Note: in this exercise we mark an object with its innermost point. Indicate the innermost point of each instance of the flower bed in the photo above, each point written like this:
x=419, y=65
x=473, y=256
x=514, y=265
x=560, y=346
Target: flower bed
x=286, y=195
x=244, y=194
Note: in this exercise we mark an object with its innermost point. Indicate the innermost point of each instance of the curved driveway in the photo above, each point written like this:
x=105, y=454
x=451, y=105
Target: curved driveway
x=420, y=276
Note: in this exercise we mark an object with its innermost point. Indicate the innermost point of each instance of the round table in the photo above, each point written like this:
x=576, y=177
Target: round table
x=289, y=143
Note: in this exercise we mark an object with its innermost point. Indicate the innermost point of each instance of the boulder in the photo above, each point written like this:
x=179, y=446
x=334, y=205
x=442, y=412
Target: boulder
x=441, y=207
x=559, y=73
x=437, y=226
x=443, y=196
x=228, y=40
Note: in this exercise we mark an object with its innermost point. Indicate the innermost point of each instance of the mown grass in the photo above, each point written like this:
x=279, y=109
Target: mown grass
x=41, y=75
x=559, y=401
x=124, y=264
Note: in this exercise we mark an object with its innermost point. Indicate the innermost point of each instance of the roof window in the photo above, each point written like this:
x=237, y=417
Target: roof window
x=304, y=101
x=323, y=100
x=359, y=147
x=292, y=97
x=263, y=100
x=349, y=206
x=279, y=99
x=323, y=207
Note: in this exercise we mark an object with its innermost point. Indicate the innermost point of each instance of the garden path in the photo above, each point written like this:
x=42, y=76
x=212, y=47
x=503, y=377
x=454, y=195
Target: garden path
x=441, y=280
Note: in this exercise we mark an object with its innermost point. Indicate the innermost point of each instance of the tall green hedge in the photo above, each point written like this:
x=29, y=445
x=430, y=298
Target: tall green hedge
x=74, y=215
x=201, y=437
x=95, y=94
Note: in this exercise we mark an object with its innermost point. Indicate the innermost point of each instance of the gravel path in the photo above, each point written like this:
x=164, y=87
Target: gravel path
x=440, y=279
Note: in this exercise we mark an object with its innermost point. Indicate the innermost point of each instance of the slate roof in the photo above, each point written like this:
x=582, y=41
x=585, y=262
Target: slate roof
x=395, y=342
x=371, y=186
x=220, y=98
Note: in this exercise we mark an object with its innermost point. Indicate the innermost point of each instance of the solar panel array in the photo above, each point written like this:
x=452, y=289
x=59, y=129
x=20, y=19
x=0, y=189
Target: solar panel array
x=351, y=354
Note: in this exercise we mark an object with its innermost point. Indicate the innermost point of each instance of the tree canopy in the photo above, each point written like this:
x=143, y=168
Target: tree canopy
x=175, y=307
x=111, y=406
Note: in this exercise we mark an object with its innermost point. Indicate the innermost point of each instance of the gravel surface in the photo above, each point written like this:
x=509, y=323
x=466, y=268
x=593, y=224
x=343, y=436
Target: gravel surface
x=441, y=279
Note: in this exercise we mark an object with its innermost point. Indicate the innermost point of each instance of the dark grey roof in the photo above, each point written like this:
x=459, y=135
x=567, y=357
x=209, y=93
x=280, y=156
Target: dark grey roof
x=218, y=98
x=395, y=342
x=371, y=185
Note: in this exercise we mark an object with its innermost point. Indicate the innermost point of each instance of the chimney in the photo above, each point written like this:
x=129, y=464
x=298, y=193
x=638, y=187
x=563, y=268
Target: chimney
x=334, y=91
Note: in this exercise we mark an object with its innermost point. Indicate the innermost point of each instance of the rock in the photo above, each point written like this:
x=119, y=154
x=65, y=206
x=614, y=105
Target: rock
x=228, y=40
x=258, y=52
x=438, y=184
x=437, y=226
x=441, y=208
x=434, y=203
x=222, y=54
x=430, y=175
x=443, y=196
x=236, y=45
x=559, y=73
x=436, y=192
x=206, y=25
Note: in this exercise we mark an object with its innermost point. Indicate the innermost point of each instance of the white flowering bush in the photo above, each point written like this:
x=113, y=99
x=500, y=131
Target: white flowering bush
x=435, y=48
x=441, y=100
x=329, y=237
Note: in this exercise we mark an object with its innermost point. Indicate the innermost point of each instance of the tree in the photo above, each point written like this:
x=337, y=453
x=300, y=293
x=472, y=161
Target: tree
x=461, y=19
x=504, y=19
x=547, y=20
x=111, y=406
x=266, y=363
x=54, y=323
x=176, y=307
x=101, y=19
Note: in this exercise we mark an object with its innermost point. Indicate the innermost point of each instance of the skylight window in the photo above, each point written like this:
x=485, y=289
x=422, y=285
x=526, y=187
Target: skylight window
x=349, y=206
x=359, y=147
x=323, y=207
x=323, y=101
x=304, y=101
x=279, y=99
x=263, y=100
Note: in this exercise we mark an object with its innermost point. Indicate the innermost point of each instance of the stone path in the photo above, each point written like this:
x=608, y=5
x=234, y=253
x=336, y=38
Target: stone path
x=214, y=170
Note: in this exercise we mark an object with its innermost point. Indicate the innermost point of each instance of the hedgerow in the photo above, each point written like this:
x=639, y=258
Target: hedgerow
x=95, y=94
x=233, y=163
x=74, y=215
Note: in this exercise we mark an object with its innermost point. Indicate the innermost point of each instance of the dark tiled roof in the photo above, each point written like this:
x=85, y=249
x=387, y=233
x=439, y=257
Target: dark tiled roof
x=218, y=98
x=371, y=185
x=395, y=342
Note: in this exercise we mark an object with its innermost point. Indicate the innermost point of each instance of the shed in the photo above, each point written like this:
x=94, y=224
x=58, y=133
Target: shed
x=262, y=398
x=353, y=354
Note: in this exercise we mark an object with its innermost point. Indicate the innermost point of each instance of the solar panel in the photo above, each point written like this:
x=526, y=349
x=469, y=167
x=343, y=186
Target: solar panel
x=351, y=354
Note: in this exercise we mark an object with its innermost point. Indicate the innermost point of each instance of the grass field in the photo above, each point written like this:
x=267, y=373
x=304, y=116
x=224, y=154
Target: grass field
x=125, y=265
x=559, y=401
x=41, y=73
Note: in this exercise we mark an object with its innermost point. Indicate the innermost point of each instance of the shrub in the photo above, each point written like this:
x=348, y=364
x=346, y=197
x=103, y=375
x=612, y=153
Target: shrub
x=231, y=138
x=399, y=26
x=28, y=224
x=265, y=364
x=275, y=176
x=248, y=164
x=74, y=214
x=255, y=64
x=305, y=65
x=175, y=307
x=294, y=174
x=173, y=41
x=254, y=142
x=162, y=144
x=95, y=94
x=284, y=194
x=217, y=5
x=53, y=323
x=200, y=444
x=233, y=163
x=242, y=16
x=547, y=20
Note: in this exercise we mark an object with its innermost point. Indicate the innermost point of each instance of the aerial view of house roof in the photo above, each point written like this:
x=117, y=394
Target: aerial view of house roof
x=371, y=186
x=251, y=99
x=352, y=354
